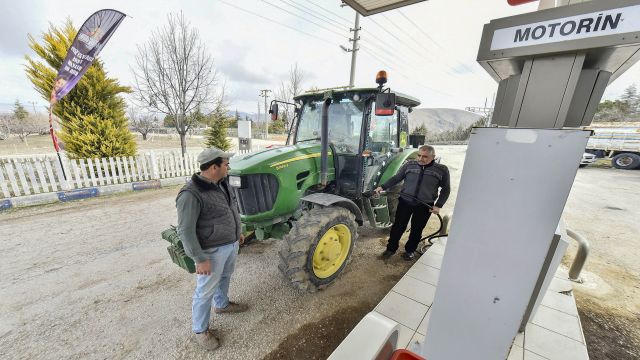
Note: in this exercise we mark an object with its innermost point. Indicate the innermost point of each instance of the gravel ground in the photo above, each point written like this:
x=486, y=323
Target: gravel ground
x=75, y=286
x=92, y=280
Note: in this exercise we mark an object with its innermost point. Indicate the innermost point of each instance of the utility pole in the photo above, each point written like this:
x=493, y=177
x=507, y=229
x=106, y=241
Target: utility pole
x=265, y=94
x=354, y=49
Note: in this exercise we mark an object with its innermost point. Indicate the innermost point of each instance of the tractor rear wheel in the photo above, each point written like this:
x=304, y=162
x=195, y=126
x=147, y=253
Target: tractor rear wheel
x=318, y=247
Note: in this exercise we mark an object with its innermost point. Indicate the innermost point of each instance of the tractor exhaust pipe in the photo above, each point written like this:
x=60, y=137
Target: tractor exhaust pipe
x=324, y=141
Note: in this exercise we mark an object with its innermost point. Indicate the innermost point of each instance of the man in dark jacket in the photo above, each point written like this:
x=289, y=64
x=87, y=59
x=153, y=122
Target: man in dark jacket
x=209, y=227
x=418, y=199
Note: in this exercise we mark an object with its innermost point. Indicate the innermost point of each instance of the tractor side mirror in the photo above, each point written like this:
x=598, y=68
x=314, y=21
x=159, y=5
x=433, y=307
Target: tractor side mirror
x=385, y=104
x=274, y=111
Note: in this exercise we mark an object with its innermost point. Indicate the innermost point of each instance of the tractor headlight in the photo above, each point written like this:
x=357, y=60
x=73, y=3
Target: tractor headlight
x=235, y=181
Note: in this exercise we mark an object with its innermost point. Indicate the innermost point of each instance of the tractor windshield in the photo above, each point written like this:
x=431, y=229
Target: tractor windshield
x=345, y=123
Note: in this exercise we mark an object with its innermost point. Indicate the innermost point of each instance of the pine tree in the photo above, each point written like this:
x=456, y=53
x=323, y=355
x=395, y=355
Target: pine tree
x=233, y=123
x=218, y=121
x=19, y=112
x=420, y=130
x=631, y=99
x=92, y=114
x=216, y=135
x=276, y=126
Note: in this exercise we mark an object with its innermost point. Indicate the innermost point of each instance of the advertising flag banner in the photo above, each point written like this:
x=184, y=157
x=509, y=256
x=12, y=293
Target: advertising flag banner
x=91, y=38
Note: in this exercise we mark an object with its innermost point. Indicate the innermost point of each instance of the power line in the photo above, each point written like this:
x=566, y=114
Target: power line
x=321, y=17
x=330, y=12
x=413, y=80
x=408, y=36
x=276, y=22
x=420, y=29
x=392, y=35
x=401, y=54
x=385, y=63
x=307, y=20
x=431, y=39
x=428, y=58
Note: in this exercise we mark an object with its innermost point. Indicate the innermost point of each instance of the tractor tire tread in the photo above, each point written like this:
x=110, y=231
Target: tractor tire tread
x=298, y=242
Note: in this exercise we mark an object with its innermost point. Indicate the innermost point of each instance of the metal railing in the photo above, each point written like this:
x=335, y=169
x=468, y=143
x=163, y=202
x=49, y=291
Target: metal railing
x=581, y=255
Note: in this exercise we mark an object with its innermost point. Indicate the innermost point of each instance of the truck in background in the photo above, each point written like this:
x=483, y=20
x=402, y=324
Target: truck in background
x=618, y=142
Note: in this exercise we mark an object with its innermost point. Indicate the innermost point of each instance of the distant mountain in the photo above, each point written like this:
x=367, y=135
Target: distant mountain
x=252, y=116
x=436, y=120
x=439, y=120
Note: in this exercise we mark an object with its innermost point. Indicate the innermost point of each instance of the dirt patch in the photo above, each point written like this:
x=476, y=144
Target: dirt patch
x=317, y=340
x=609, y=333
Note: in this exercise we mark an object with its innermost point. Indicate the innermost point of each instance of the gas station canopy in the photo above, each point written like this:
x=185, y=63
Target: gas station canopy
x=370, y=7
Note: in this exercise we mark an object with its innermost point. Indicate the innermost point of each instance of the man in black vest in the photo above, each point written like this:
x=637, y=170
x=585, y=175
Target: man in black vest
x=422, y=179
x=209, y=227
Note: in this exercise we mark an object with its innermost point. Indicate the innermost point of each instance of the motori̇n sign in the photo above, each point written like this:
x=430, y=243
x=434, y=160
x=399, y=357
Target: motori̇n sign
x=601, y=23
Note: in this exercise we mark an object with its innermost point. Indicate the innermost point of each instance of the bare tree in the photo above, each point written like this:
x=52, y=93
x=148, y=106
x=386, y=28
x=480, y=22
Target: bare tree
x=22, y=123
x=5, y=129
x=288, y=90
x=174, y=73
x=141, y=121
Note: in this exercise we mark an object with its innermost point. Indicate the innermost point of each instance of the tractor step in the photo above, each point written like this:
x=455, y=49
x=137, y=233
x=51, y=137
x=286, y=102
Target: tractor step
x=377, y=211
x=383, y=225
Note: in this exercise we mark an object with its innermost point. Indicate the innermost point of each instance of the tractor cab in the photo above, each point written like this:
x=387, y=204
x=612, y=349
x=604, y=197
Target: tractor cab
x=366, y=132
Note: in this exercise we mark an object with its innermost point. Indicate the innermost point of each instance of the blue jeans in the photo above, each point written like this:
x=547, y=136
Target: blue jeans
x=215, y=287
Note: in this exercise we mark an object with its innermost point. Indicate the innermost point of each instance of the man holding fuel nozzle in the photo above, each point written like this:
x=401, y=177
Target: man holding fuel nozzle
x=419, y=198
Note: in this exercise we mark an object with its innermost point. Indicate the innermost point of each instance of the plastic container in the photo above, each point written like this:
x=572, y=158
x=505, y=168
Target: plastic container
x=402, y=354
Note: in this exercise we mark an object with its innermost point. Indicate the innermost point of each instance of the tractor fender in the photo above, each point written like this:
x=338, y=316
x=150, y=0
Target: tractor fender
x=325, y=199
x=394, y=165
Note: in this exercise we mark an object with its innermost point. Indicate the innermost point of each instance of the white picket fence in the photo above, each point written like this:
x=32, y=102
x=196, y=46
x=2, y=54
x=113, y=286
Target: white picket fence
x=22, y=176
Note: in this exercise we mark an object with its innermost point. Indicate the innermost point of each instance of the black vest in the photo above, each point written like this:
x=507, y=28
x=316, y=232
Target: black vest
x=219, y=220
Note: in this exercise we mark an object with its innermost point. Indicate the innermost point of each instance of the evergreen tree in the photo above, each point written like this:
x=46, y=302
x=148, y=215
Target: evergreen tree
x=420, y=130
x=216, y=135
x=169, y=121
x=92, y=115
x=276, y=126
x=19, y=112
x=197, y=118
x=233, y=123
x=631, y=99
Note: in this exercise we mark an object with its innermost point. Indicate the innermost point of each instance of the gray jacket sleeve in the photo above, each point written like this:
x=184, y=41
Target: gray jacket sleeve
x=399, y=176
x=445, y=188
x=188, y=212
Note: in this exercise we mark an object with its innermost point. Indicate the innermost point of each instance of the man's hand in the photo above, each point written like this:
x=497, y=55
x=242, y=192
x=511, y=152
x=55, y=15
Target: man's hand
x=435, y=210
x=203, y=268
x=379, y=189
x=241, y=239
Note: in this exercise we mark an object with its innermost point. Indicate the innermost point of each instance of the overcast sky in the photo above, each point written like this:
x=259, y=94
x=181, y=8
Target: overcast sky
x=428, y=49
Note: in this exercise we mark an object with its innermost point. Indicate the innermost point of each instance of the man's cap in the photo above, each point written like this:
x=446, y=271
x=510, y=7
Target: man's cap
x=211, y=153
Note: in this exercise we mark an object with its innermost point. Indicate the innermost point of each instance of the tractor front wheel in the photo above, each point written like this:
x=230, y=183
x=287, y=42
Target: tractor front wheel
x=318, y=247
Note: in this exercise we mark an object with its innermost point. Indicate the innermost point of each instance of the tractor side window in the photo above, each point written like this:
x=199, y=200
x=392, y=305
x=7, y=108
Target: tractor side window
x=309, y=125
x=383, y=132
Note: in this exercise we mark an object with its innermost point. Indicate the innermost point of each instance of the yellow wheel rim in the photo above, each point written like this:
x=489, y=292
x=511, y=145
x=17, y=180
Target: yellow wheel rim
x=332, y=251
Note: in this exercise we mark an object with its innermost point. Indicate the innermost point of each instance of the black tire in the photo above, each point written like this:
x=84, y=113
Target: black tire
x=299, y=245
x=626, y=161
x=583, y=165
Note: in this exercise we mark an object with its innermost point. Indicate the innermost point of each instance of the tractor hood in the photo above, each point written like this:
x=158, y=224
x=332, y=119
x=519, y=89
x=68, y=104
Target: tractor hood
x=273, y=160
x=269, y=184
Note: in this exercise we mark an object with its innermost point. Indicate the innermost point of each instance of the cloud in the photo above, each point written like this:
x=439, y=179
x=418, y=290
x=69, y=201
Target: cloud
x=233, y=64
x=463, y=69
x=18, y=20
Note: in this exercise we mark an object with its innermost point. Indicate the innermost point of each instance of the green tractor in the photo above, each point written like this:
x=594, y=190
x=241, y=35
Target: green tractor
x=342, y=144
